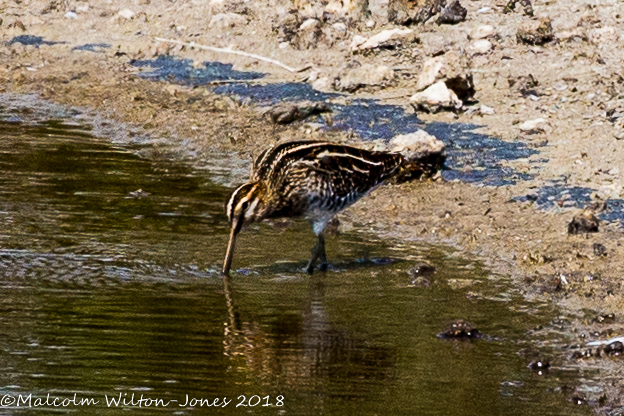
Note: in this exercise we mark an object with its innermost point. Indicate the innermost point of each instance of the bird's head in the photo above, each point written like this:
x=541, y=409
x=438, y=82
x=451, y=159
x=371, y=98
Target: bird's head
x=246, y=205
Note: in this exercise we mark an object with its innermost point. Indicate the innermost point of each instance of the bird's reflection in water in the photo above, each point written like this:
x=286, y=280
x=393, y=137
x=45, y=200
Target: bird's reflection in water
x=308, y=351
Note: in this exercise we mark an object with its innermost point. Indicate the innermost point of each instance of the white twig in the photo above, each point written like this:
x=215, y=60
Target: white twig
x=249, y=55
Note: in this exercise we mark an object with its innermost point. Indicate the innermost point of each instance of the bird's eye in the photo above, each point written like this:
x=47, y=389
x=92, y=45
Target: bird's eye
x=245, y=205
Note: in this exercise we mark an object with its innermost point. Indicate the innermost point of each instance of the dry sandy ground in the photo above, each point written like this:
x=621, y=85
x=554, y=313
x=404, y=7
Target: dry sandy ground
x=573, y=162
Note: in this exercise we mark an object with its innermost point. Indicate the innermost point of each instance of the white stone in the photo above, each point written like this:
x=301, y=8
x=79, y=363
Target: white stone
x=537, y=125
x=126, y=14
x=71, y=15
x=340, y=27
x=435, y=98
x=283, y=45
x=482, y=32
x=367, y=74
x=357, y=41
x=324, y=84
x=484, y=109
x=308, y=24
x=381, y=38
x=484, y=9
x=480, y=47
x=416, y=143
x=370, y=23
x=430, y=72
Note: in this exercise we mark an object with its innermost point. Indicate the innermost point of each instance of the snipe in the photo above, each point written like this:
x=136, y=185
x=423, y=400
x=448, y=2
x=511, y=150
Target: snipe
x=315, y=180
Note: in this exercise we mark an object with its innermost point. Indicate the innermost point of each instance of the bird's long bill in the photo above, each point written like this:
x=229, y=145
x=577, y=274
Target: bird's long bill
x=227, y=263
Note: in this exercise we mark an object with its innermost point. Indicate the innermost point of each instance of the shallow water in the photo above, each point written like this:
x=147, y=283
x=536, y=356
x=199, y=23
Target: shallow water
x=109, y=291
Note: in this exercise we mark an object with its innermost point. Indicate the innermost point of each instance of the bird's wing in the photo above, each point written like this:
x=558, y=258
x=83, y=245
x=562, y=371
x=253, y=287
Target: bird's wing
x=276, y=159
x=348, y=171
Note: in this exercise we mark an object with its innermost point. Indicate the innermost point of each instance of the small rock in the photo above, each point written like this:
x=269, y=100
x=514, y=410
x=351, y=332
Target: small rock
x=482, y=32
x=225, y=20
x=370, y=24
x=416, y=145
x=454, y=69
x=461, y=329
x=619, y=135
x=409, y=12
x=285, y=113
x=484, y=10
x=599, y=250
x=71, y=15
x=605, y=319
x=431, y=71
x=424, y=154
x=363, y=76
x=541, y=366
x=586, y=222
x=485, y=110
x=453, y=13
x=340, y=27
x=435, y=98
x=126, y=14
x=535, y=32
x=421, y=269
x=533, y=126
x=480, y=47
x=526, y=6
x=310, y=23
x=383, y=39
x=614, y=349
x=324, y=84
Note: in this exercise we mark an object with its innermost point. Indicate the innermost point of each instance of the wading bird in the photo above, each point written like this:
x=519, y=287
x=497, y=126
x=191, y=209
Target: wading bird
x=309, y=179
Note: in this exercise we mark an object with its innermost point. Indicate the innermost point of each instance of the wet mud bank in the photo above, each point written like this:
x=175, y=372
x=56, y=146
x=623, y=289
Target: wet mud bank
x=511, y=189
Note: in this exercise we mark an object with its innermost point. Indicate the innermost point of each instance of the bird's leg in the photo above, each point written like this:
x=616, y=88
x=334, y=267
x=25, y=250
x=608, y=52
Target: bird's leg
x=322, y=254
x=318, y=251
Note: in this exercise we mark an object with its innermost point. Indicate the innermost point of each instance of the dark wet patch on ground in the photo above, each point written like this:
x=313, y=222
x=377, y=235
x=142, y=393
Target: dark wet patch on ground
x=31, y=40
x=92, y=47
x=182, y=71
x=563, y=196
x=475, y=157
x=472, y=157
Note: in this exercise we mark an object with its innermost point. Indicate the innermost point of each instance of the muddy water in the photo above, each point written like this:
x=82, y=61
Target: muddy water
x=108, y=275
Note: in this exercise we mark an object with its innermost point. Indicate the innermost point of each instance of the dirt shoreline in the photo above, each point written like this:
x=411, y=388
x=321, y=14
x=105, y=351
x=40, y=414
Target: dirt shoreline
x=517, y=225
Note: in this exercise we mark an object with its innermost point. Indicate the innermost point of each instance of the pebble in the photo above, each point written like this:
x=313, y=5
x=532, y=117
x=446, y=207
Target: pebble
x=370, y=23
x=419, y=142
x=308, y=24
x=535, y=32
x=435, y=98
x=380, y=38
x=482, y=32
x=484, y=9
x=480, y=47
x=71, y=15
x=586, y=222
x=126, y=14
x=484, y=109
x=340, y=27
x=533, y=126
